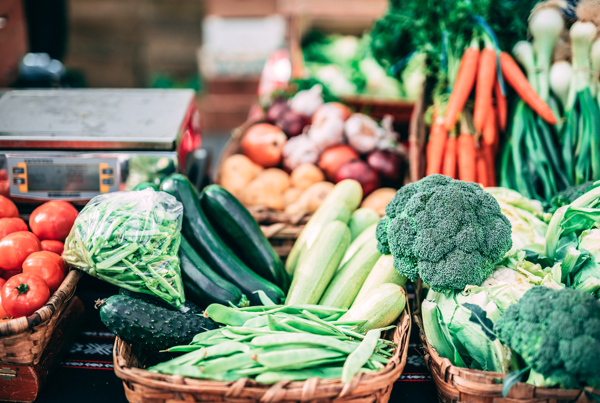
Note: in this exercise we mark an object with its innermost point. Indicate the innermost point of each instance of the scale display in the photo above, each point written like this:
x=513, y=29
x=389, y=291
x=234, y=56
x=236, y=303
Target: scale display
x=67, y=177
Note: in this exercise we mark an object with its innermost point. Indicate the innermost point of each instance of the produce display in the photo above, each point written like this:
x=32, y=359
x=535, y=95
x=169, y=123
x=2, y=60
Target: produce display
x=31, y=271
x=288, y=161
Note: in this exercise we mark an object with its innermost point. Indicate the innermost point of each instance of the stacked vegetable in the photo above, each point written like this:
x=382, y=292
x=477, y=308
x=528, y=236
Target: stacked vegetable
x=30, y=262
x=317, y=143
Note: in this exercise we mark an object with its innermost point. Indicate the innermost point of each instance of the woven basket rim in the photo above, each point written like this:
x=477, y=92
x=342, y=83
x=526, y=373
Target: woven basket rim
x=467, y=378
x=308, y=390
x=45, y=313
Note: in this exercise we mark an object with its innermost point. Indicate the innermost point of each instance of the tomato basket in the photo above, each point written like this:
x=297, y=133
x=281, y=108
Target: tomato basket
x=23, y=340
x=142, y=386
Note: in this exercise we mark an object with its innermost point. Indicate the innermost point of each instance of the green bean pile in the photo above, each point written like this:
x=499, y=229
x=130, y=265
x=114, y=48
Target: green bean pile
x=279, y=342
x=130, y=239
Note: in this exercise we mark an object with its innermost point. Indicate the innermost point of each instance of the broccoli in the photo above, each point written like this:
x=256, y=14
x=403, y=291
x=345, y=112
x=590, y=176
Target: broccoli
x=569, y=195
x=557, y=333
x=447, y=232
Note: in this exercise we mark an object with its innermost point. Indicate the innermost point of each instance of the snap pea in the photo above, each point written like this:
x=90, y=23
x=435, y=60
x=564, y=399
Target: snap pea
x=285, y=358
x=300, y=338
x=206, y=335
x=361, y=355
x=227, y=316
x=259, y=321
x=278, y=326
x=276, y=376
x=310, y=327
x=228, y=363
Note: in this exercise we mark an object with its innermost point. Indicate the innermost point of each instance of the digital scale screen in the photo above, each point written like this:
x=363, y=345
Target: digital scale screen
x=63, y=177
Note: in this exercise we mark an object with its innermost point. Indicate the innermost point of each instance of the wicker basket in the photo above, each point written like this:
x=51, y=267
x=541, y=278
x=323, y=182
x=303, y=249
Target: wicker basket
x=456, y=384
x=23, y=340
x=142, y=386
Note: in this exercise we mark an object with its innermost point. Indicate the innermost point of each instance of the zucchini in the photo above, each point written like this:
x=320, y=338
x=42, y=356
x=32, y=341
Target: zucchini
x=363, y=238
x=241, y=232
x=319, y=265
x=151, y=326
x=349, y=191
x=383, y=272
x=202, y=285
x=201, y=235
x=335, y=211
x=145, y=185
x=362, y=219
x=346, y=283
x=380, y=308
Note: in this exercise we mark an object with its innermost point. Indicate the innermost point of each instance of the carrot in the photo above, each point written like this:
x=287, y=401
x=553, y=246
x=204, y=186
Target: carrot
x=501, y=108
x=486, y=76
x=465, y=80
x=488, y=154
x=466, y=157
x=515, y=77
x=435, y=148
x=481, y=169
x=449, y=168
x=490, y=132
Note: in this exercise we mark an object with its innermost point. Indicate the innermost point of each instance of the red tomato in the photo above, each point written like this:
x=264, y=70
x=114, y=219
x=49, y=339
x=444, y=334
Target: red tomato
x=53, y=220
x=3, y=313
x=47, y=265
x=15, y=247
x=8, y=208
x=8, y=225
x=7, y=274
x=2, y=281
x=24, y=294
x=263, y=144
x=53, y=246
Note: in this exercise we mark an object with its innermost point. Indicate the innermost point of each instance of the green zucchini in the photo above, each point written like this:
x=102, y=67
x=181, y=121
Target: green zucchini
x=202, y=285
x=363, y=238
x=383, y=272
x=362, y=219
x=201, y=235
x=349, y=191
x=334, y=211
x=151, y=326
x=241, y=232
x=145, y=185
x=319, y=265
x=380, y=308
x=346, y=283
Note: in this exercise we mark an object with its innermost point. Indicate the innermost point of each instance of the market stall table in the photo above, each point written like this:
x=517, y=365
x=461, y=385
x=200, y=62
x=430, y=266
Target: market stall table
x=86, y=371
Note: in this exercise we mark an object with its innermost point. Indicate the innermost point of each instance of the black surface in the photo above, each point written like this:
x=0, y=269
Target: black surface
x=86, y=373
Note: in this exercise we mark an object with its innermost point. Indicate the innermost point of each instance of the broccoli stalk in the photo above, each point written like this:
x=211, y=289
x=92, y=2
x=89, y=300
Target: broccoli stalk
x=447, y=232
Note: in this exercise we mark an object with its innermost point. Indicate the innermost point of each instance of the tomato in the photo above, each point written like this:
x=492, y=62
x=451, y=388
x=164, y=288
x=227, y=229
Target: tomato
x=24, y=294
x=2, y=281
x=7, y=274
x=3, y=313
x=15, y=247
x=47, y=265
x=53, y=220
x=8, y=225
x=8, y=208
x=53, y=246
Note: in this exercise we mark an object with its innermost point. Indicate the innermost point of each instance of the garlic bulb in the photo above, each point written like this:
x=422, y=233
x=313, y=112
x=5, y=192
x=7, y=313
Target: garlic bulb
x=300, y=150
x=363, y=133
x=327, y=132
x=306, y=102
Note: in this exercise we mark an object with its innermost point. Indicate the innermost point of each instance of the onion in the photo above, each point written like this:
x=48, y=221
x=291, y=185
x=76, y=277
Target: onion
x=333, y=158
x=361, y=172
x=291, y=122
x=389, y=165
x=277, y=108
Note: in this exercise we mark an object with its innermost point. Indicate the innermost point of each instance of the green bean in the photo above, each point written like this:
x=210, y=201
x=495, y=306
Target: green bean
x=206, y=335
x=264, y=299
x=295, y=357
x=317, y=310
x=258, y=321
x=361, y=355
x=228, y=363
x=310, y=327
x=300, y=338
x=228, y=316
x=277, y=326
x=301, y=374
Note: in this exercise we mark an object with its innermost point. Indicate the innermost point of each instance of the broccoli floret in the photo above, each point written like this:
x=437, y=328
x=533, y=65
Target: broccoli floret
x=557, y=333
x=449, y=233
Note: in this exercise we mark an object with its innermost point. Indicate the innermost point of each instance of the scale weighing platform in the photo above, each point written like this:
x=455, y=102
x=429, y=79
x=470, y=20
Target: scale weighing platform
x=74, y=144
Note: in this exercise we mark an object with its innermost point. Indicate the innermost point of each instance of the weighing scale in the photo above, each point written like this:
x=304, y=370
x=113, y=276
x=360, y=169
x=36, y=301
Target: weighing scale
x=74, y=144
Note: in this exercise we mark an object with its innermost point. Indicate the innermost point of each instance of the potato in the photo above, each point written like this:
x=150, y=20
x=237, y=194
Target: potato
x=311, y=199
x=277, y=178
x=262, y=193
x=237, y=171
x=379, y=199
x=291, y=195
x=305, y=175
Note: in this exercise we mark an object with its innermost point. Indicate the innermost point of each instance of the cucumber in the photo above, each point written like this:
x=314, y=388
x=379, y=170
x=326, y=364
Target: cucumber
x=201, y=235
x=319, y=265
x=383, y=272
x=242, y=234
x=380, y=308
x=362, y=219
x=363, y=238
x=151, y=326
x=187, y=307
x=202, y=285
x=346, y=283
x=334, y=211
x=145, y=185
